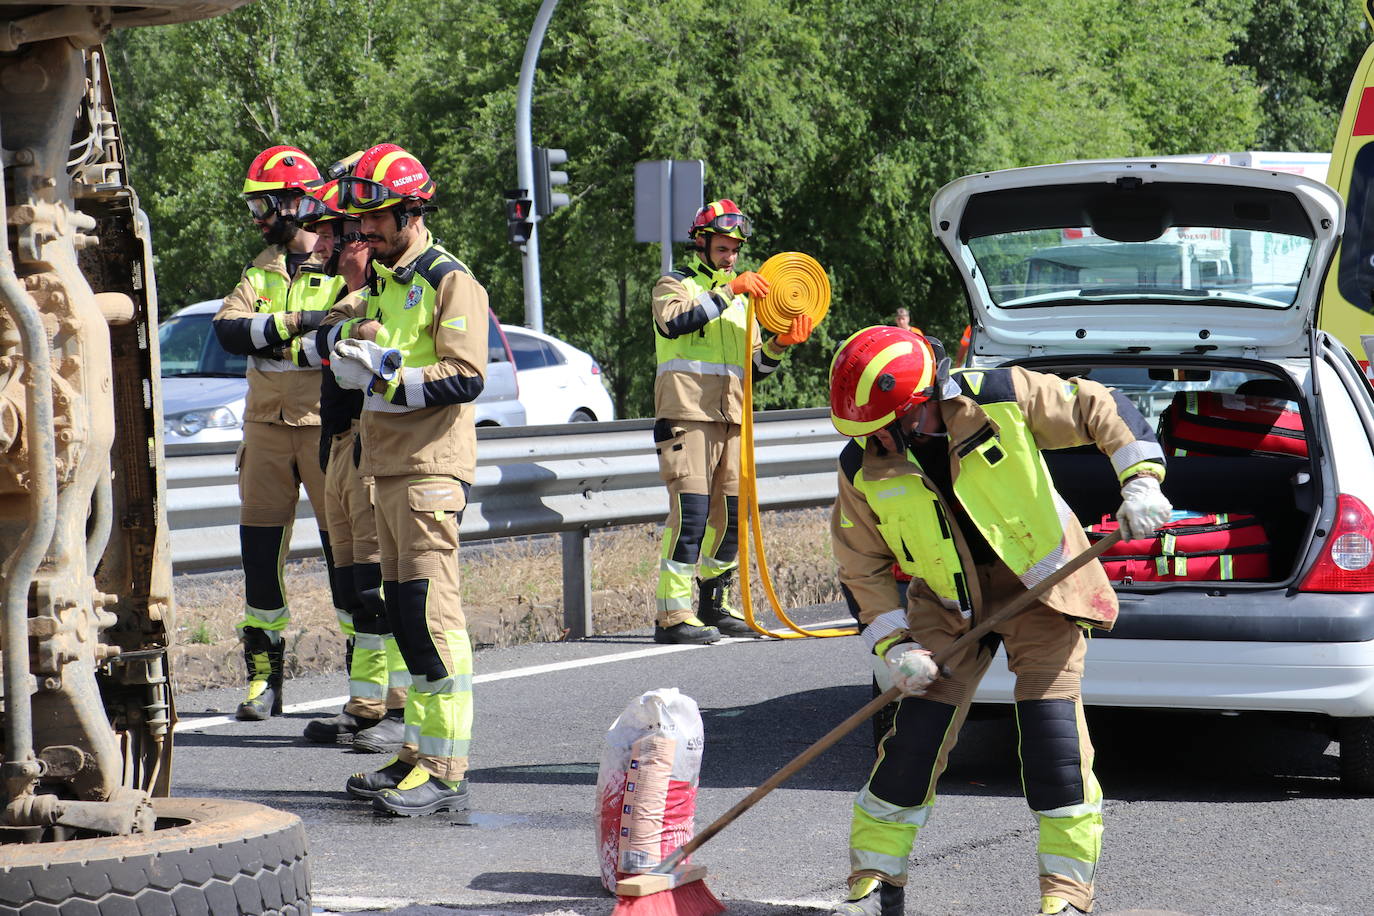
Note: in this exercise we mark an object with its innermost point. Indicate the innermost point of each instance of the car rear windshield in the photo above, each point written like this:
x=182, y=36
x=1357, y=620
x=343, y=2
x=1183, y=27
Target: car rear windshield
x=1067, y=266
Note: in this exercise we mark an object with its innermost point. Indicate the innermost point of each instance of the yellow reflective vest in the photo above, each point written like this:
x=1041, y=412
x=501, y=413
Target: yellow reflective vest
x=251, y=322
x=889, y=511
x=702, y=343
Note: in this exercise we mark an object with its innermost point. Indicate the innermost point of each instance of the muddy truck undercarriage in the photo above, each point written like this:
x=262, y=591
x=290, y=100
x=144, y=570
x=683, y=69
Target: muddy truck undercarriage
x=85, y=569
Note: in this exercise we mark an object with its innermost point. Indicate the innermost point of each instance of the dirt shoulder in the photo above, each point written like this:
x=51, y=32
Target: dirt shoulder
x=512, y=594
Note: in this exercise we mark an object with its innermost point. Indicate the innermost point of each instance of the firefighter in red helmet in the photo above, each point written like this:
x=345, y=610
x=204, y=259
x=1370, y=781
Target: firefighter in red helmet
x=943, y=475
x=371, y=719
x=281, y=297
x=702, y=344
x=415, y=344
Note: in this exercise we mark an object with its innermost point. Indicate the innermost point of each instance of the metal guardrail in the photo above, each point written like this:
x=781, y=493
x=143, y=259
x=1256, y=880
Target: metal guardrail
x=531, y=480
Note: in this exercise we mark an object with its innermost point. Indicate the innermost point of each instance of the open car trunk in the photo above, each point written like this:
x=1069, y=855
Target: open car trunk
x=1281, y=491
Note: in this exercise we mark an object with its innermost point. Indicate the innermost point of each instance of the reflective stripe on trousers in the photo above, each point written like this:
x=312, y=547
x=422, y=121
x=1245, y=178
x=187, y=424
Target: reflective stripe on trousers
x=367, y=678
x=1070, y=846
x=397, y=675
x=673, y=596
x=438, y=717
x=881, y=835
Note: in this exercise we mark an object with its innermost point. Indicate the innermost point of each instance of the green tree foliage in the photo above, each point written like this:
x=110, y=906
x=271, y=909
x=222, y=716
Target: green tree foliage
x=832, y=123
x=1303, y=54
x=199, y=101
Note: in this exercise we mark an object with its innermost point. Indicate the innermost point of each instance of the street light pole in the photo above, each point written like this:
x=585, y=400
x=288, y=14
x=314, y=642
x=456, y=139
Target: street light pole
x=524, y=164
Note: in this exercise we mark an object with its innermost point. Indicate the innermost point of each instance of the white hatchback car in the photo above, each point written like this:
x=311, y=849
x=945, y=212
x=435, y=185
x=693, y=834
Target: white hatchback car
x=1195, y=287
x=558, y=382
x=203, y=386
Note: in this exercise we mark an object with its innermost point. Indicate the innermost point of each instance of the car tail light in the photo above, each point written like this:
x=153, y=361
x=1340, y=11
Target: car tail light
x=1346, y=562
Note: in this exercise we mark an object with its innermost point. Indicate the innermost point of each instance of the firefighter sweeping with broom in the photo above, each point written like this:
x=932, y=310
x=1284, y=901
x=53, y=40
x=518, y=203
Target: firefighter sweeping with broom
x=943, y=474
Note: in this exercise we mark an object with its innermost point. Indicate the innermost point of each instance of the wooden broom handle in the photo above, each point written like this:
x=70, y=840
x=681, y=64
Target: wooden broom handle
x=868, y=710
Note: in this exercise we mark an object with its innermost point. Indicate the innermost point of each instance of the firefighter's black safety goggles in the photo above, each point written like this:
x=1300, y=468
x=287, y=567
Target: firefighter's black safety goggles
x=310, y=210
x=362, y=194
x=265, y=204
x=729, y=222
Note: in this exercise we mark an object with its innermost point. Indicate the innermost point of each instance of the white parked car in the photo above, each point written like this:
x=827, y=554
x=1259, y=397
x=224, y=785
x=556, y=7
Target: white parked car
x=1191, y=287
x=558, y=382
x=204, y=388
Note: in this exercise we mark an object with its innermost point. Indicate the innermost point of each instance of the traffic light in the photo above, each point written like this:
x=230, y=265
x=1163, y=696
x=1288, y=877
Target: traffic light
x=518, y=213
x=545, y=178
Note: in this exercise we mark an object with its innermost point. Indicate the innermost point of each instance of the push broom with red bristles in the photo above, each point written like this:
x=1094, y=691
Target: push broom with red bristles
x=675, y=889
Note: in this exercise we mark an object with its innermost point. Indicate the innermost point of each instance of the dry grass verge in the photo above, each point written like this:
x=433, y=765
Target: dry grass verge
x=512, y=593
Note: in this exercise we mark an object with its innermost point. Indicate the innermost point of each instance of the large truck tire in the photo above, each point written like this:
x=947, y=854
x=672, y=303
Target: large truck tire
x=208, y=857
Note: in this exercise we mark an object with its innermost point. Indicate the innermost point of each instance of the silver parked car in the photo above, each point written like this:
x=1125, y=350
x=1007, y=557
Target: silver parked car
x=1193, y=290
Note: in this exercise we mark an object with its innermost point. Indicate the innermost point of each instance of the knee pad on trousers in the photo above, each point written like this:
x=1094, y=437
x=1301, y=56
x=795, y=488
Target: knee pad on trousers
x=692, y=509
x=412, y=629
x=911, y=750
x=852, y=604
x=1051, y=753
x=370, y=617
x=728, y=549
x=261, y=549
x=342, y=590
x=327, y=549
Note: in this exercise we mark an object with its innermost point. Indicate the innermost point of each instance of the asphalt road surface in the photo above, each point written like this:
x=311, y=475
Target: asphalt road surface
x=1205, y=814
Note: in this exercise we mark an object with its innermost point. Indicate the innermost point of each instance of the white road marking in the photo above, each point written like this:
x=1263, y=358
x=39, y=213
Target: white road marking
x=327, y=903
x=196, y=725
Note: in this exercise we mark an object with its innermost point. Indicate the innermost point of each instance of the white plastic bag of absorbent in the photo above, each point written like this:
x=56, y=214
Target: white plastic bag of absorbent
x=646, y=788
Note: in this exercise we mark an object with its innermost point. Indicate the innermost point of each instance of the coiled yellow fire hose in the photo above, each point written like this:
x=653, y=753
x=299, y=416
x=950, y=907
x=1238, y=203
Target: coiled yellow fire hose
x=797, y=285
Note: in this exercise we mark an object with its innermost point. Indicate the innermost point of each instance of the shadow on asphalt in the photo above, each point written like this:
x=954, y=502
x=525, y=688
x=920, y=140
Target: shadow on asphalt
x=1148, y=754
x=1141, y=754
x=546, y=884
x=244, y=740
x=546, y=774
x=1176, y=756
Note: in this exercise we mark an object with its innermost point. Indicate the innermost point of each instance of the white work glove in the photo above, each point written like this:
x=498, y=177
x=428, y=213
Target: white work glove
x=1143, y=508
x=357, y=362
x=906, y=666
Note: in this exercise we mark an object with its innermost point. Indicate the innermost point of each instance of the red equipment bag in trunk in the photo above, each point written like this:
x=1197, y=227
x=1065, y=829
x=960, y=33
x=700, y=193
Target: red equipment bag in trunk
x=1212, y=423
x=1200, y=548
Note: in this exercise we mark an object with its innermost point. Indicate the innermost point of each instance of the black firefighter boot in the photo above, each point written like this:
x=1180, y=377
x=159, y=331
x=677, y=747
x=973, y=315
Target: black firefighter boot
x=344, y=725
x=871, y=897
x=263, y=652
x=714, y=610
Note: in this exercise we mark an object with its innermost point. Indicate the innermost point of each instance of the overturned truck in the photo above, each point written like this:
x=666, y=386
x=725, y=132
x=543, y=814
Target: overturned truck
x=86, y=824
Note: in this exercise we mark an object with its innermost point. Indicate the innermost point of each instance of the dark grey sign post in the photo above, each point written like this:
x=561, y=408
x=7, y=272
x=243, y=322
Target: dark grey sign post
x=668, y=193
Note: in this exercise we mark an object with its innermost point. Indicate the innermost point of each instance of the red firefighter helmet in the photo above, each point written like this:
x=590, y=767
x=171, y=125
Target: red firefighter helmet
x=384, y=176
x=280, y=168
x=720, y=217
x=879, y=375
x=320, y=205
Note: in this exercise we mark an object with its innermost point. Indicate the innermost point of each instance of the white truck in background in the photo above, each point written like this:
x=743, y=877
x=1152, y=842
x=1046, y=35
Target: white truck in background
x=1182, y=258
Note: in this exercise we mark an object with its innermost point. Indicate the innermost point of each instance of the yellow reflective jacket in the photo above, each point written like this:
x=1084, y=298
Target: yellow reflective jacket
x=887, y=510
x=435, y=313
x=283, y=379
x=702, y=344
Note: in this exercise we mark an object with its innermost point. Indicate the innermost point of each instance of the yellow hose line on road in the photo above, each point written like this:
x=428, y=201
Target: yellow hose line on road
x=798, y=285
